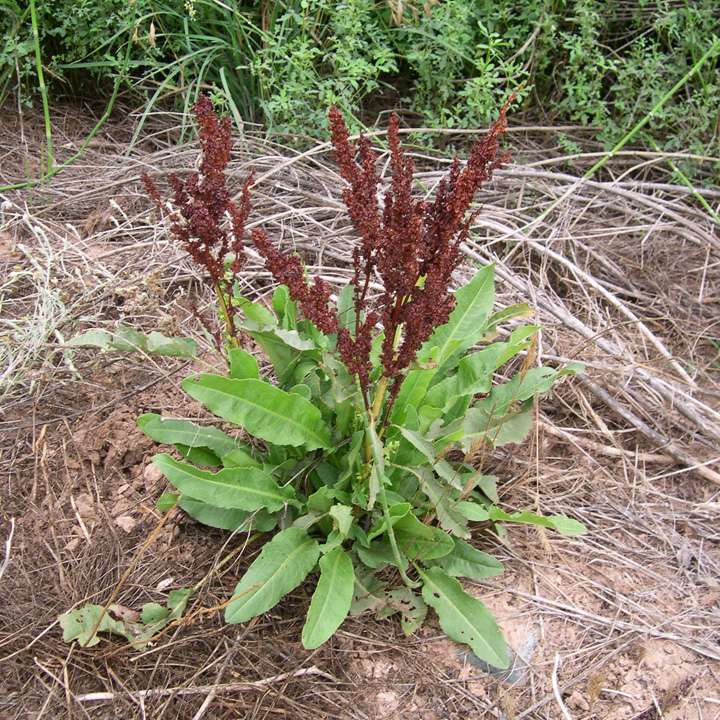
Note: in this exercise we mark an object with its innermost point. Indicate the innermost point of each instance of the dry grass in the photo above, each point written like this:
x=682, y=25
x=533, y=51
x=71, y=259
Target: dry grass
x=625, y=276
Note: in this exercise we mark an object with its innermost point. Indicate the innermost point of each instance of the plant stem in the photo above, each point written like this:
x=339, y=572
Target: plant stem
x=377, y=459
x=225, y=314
x=57, y=168
x=49, y=161
x=374, y=412
x=379, y=397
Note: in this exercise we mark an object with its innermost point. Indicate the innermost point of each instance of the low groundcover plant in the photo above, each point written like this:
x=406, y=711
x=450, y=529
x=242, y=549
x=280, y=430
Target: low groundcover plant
x=356, y=458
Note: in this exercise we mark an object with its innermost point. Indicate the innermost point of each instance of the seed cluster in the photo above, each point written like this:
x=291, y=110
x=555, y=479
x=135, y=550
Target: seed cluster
x=207, y=222
x=414, y=246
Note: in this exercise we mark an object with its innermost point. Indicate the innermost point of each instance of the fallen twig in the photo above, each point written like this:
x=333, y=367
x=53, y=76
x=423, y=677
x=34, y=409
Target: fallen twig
x=203, y=689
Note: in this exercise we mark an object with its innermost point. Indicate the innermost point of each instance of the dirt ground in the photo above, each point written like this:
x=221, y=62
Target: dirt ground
x=622, y=623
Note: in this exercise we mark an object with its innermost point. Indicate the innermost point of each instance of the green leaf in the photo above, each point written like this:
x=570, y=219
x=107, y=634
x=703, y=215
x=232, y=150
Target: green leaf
x=154, y=613
x=419, y=541
x=346, y=308
x=331, y=600
x=239, y=488
x=467, y=561
x=240, y=457
x=412, y=608
x=395, y=512
x=227, y=518
x=560, y=523
x=467, y=322
x=125, y=339
x=473, y=511
x=302, y=390
x=343, y=517
x=463, y=618
x=243, y=365
x=255, y=312
x=184, y=432
x=378, y=554
x=412, y=391
x=200, y=457
x=285, y=359
x=368, y=592
x=262, y=409
x=440, y=466
x=159, y=344
x=511, y=312
x=282, y=565
x=475, y=371
x=449, y=517
x=167, y=501
x=284, y=307
x=78, y=625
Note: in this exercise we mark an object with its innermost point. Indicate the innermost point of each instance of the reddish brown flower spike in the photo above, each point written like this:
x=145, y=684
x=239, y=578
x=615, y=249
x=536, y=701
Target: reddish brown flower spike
x=413, y=245
x=201, y=202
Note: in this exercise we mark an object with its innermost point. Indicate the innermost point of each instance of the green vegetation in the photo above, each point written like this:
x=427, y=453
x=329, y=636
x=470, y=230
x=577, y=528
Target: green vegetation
x=358, y=450
x=447, y=64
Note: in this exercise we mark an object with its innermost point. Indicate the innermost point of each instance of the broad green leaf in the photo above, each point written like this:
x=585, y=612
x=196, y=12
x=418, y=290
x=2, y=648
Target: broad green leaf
x=443, y=501
x=467, y=322
x=368, y=593
x=302, y=390
x=473, y=511
x=346, y=308
x=154, y=613
x=343, y=517
x=262, y=409
x=331, y=600
x=243, y=365
x=475, y=371
x=232, y=488
x=240, y=457
x=378, y=554
x=200, y=456
x=159, y=344
x=511, y=312
x=286, y=360
x=282, y=565
x=412, y=391
x=419, y=541
x=562, y=524
x=463, y=618
x=92, y=338
x=467, y=561
x=167, y=501
x=78, y=625
x=440, y=466
x=255, y=312
x=485, y=420
x=412, y=608
x=488, y=485
x=184, y=432
x=227, y=518
x=308, y=520
x=125, y=339
x=396, y=511
x=284, y=307
x=122, y=339
x=178, y=599
x=515, y=427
